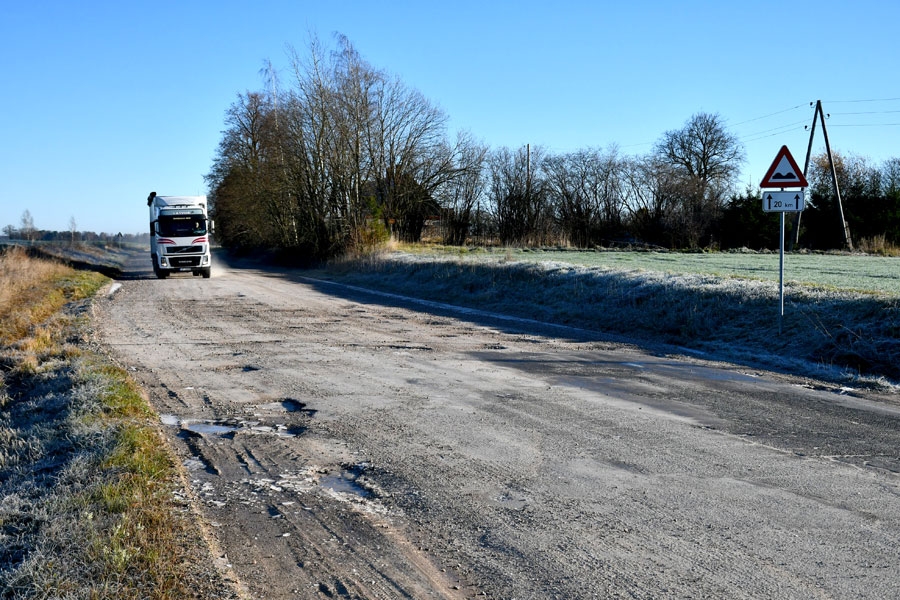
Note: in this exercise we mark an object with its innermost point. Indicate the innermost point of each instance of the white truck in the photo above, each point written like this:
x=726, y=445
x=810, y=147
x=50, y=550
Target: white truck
x=180, y=230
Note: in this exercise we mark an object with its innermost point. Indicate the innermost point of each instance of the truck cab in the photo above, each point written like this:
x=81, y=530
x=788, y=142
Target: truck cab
x=180, y=231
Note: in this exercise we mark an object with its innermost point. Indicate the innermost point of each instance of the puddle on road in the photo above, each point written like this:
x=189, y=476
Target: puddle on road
x=224, y=428
x=346, y=482
x=262, y=425
x=208, y=428
x=340, y=484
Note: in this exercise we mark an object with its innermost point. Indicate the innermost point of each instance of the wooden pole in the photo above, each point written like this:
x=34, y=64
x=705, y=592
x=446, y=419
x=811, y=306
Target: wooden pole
x=528, y=171
x=848, y=242
x=795, y=238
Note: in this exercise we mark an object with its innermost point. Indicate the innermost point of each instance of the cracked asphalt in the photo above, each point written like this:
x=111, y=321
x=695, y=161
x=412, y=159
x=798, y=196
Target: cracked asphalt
x=342, y=444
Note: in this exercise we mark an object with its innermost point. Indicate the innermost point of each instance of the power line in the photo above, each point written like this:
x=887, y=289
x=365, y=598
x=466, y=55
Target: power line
x=782, y=129
x=867, y=100
x=767, y=133
x=787, y=126
x=868, y=112
x=762, y=137
x=773, y=131
x=778, y=112
x=864, y=124
x=769, y=115
x=640, y=144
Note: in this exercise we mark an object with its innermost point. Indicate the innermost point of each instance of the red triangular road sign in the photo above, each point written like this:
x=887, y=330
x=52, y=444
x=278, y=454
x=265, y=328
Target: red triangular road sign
x=784, y=172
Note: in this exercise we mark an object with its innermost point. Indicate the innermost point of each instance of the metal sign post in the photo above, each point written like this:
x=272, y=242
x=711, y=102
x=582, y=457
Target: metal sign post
x=783, y=173
x=781, y=276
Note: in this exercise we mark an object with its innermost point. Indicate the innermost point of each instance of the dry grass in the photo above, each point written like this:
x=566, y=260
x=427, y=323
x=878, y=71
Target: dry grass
x=27, y=292
x=878, y=245
x=89, y=491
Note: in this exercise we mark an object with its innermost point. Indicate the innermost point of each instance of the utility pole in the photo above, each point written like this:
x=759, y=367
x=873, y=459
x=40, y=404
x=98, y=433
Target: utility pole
x=795, y=238
x=528, y=171
x=845, y=227
x=837, y=190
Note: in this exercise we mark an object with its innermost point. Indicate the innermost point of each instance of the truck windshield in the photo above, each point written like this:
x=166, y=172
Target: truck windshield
x=181, y=225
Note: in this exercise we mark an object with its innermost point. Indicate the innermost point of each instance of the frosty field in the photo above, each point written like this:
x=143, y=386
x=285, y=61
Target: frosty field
x=850, y=272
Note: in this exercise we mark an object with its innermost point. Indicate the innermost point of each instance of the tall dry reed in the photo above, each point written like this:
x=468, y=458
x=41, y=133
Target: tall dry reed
x=24, y=284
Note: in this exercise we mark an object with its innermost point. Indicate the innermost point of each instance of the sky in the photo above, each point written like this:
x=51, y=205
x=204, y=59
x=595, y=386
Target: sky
x=103, y=102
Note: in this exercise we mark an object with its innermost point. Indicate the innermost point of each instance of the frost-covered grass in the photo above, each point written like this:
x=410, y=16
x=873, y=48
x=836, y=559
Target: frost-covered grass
x=832, y=329
x=839, y=271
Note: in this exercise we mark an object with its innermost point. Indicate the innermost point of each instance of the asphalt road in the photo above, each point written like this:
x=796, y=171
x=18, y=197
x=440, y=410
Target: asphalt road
x=352, y=445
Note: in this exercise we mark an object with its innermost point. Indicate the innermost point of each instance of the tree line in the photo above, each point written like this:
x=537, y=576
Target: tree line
x=27, y=231
x=347, y=156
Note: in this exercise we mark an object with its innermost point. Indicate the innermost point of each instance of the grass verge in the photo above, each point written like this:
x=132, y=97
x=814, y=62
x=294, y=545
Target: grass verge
x=92, y=504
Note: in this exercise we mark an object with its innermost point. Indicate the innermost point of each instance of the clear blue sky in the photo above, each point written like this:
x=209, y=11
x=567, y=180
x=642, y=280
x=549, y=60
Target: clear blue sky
x=103, y=102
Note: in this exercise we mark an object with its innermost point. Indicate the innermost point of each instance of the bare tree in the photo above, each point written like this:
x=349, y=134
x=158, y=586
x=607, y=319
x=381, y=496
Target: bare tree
x=703, y=149
x=381, y=145
x=460, y=196
x=250, y=181
x=312, y=168
x=27, y=229
x=342, y=100
x=705, y=157
x=518, y=196
x=586, y=188
x=890, y=177
x=410, y=155
x=652, y=196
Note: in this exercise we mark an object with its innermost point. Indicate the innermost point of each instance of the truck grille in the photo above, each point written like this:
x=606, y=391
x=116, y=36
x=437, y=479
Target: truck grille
x=184, y=250
x=185, y=261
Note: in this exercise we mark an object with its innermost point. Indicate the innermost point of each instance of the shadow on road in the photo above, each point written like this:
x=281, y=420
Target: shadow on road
x=515, y=322
x=717, y=322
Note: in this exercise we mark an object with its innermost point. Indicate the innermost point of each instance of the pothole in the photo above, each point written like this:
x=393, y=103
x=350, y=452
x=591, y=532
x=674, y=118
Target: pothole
x=230, y=428
x=347, y=481
x=208, y=428
x=344, y=483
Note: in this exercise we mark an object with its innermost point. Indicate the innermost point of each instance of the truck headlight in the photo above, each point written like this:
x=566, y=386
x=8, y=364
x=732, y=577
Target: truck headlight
x=163, y=262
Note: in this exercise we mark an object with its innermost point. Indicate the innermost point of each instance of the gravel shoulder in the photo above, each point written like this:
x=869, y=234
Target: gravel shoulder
x=341, y=444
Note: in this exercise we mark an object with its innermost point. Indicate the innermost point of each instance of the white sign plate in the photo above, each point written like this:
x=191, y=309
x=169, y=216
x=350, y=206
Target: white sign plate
x=782, y=201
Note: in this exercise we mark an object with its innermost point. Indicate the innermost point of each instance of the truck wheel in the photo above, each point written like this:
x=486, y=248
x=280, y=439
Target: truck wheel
x=160, y=274
x=206, y=272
